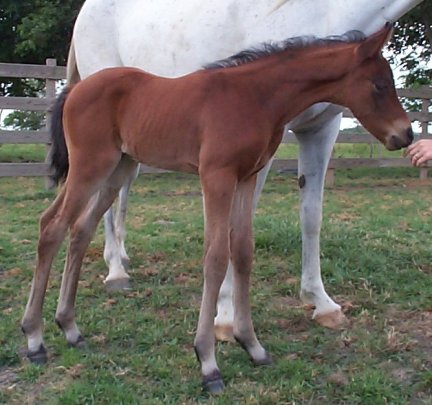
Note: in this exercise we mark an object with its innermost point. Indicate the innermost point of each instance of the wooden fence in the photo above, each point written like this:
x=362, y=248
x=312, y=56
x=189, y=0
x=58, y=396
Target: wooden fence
x=52, y=73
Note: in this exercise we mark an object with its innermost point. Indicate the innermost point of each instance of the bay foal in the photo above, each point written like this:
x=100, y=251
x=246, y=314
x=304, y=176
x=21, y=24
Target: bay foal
x=223, y=123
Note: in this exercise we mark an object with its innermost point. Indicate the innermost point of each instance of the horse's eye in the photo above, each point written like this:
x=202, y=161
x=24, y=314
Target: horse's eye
x=380, y=85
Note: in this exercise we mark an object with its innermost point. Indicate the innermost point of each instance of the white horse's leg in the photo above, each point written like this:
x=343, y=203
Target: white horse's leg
x=225, y=309
x=315, y=150
x=115, y=254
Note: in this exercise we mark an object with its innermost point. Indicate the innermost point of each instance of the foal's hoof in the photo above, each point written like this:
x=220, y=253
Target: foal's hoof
x=39, y=356
x=119, y=284
x=332, y=320
x=224, y=333
x=79, y=344
x=213, y=383
x=265, y=361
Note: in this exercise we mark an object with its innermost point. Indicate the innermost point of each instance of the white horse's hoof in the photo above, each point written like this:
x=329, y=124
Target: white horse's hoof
x=224, y=333
x=118, y=284
x=332, y=320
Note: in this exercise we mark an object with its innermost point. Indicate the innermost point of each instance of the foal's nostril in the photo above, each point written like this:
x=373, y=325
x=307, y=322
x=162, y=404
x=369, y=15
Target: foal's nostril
x=410, y=134
x=396, y=143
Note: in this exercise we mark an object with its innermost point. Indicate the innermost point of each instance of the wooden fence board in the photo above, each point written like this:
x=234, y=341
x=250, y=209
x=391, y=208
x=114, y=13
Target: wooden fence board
x=17, y=70
x=24, y=169
x=347, y=163
x=26, y=103
x=413, y=115
x=24, y=137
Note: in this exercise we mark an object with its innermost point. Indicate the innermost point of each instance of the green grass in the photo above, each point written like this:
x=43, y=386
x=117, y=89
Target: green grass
x=376, y=262
x=22, y=153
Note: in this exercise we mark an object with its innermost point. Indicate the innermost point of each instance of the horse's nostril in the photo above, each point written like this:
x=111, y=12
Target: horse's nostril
x=410, y=134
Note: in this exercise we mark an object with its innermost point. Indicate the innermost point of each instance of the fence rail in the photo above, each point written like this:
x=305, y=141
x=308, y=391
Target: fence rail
x=52, y=73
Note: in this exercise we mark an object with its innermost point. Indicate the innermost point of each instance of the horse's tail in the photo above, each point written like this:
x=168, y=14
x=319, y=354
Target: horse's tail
x=72, y=73
x=59, y=160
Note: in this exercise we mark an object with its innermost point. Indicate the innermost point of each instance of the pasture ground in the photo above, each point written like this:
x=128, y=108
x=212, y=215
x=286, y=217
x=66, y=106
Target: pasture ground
x=376, y=262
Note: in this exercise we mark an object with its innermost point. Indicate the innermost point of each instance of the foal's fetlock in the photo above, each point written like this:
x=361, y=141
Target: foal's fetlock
x=212, y=381
x=258, y=355
x=71, y=332
x=265, y=360
x=36, y=351
x=80, y=343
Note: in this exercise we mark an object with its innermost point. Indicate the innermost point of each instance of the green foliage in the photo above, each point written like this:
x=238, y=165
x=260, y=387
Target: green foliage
x=31, y=31
x=26, y=120
x=412, y=43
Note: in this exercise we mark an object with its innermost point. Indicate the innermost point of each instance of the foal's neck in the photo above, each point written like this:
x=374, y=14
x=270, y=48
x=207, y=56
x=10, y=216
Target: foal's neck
x=293, y=82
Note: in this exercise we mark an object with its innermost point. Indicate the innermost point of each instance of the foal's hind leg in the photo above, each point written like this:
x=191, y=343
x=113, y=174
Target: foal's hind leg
x=81, y=234
x=115, y=254
x=83, y=180
x=241, y=247
x=225, y=308
x=52, y=232
x=53, y=227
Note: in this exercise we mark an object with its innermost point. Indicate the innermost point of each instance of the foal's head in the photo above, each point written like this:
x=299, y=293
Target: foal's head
x=369, y=92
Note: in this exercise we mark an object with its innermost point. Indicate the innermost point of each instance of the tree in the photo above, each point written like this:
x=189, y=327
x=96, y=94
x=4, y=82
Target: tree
x=412, y=44
x=33, y=30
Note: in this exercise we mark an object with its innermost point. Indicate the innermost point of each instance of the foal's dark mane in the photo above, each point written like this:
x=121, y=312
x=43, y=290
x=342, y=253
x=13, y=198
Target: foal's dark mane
x=271, y=48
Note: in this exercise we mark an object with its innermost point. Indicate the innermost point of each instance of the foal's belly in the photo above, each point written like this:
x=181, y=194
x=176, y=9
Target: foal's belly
x=175, y=153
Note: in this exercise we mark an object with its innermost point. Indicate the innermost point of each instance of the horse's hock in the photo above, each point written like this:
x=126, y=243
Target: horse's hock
x=53, y=74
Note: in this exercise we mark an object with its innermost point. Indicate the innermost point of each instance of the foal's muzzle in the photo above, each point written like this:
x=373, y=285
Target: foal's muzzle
x=395, y=142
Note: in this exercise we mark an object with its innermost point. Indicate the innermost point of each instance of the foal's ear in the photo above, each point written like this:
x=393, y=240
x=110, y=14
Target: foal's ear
x=373, y=44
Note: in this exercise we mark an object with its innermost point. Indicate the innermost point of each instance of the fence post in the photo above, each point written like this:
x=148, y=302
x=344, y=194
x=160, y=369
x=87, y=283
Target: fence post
x=50, y=91
x=329, y=180
x=424, y=134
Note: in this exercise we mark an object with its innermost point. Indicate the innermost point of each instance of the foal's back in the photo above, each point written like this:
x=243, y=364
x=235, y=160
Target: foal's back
x=179, y=124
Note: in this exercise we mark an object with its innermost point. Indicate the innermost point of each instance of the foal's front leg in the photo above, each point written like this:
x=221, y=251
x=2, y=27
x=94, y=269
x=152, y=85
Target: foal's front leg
x=218, y=190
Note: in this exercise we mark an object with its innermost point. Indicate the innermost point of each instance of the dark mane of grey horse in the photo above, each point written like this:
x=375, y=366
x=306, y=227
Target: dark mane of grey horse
x=270, y=48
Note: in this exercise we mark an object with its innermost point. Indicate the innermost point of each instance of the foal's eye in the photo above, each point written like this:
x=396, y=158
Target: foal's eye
x=380, y=85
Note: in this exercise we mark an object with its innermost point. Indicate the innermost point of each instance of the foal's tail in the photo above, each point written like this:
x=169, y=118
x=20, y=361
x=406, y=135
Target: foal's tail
x=59, y=159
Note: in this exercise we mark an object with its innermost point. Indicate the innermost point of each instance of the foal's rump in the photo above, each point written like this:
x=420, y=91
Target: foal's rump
x=84, y=117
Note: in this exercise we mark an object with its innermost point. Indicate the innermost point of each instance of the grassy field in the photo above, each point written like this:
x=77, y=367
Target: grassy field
x=376, y=262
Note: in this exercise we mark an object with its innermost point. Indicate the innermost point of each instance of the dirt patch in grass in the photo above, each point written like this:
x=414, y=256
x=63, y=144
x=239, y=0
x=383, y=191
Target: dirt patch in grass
x=8, y=377
x=414, y=325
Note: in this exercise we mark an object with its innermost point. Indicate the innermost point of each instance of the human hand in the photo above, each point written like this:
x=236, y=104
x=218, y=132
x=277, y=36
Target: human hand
x=419, y=152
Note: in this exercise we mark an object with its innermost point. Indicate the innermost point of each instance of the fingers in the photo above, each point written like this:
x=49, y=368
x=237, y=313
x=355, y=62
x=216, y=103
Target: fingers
x=419, y=152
